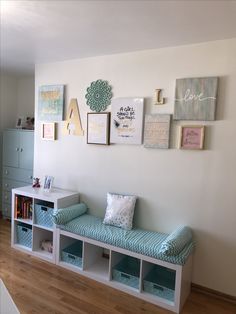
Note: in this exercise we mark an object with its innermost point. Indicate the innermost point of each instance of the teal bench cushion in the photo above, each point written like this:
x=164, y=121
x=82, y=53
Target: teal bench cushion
x=135, y=240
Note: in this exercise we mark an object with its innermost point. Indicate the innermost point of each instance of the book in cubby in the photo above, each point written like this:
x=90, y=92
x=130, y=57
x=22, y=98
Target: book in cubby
x=23, y=207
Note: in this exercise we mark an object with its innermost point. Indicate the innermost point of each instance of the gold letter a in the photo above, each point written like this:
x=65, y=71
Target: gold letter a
x=73, y=122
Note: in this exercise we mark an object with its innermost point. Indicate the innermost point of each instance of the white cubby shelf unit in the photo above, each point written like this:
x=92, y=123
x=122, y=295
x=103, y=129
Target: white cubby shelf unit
x=31, y=219
x=162, y=283
x=168, y=287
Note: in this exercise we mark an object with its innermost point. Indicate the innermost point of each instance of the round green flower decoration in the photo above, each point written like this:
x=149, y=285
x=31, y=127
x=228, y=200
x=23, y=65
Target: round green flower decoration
x=98, y=95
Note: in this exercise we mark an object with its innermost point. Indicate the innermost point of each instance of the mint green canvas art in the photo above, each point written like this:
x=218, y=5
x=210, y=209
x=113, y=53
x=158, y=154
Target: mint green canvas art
x=51, y=103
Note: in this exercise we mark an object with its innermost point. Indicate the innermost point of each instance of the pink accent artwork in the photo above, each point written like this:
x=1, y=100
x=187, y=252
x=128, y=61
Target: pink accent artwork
x=192, y=137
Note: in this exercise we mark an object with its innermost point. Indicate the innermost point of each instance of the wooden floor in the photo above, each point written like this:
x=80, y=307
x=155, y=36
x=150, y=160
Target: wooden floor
x=40, y=287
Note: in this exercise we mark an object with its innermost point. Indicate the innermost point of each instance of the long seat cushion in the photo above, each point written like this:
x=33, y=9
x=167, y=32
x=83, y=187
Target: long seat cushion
x=135, y=240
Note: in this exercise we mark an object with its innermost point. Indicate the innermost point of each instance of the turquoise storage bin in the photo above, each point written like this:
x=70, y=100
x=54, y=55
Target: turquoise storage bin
x=43, y=215
x=24, y=235
x=160, y=281
x=73, y=254
x=127, y=271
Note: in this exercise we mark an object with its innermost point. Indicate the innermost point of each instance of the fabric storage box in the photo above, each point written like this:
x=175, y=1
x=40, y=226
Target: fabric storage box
x=73, y=254
x=160, y=281
x=43, y=215
x=127, y=271
x=24, y=234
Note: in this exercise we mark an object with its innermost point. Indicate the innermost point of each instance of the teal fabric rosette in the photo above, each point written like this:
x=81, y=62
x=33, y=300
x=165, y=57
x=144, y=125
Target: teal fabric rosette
x=98, y=95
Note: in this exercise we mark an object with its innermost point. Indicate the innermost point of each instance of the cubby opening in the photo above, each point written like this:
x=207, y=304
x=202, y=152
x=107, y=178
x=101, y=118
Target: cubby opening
x=125, y=270
x=96, y=261
x=158, y=281
x=23, y=210
x=43, y=242
x=71, y=251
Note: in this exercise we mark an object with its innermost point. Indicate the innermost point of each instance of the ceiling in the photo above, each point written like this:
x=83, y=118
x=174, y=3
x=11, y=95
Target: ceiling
x=45, y=31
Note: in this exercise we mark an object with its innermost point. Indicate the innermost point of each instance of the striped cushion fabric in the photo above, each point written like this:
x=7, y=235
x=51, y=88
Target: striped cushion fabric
x=64, y=215
x=176, y=241
x=135, y=240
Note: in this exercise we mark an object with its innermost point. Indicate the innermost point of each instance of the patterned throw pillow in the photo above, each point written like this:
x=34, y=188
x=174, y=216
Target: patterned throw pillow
x=120, y=210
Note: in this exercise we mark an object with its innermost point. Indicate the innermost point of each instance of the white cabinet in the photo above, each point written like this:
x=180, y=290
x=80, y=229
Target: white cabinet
x=31, y=219
x=164, y=284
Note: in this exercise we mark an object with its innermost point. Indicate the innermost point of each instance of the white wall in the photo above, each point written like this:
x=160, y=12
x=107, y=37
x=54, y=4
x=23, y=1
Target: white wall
x=8, y=101
x=174, y=187
x=16, y=98
x=25, y=96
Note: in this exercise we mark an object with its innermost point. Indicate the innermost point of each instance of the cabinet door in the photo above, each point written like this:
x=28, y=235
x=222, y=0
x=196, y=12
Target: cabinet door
x=26, y=155
x=11, y=147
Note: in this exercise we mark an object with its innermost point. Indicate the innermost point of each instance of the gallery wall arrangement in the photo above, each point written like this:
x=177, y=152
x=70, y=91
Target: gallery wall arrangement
x=127, y=123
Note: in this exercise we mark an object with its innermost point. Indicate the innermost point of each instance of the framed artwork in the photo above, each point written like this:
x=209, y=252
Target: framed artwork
x=195, y=98
x=48, y=181
x=49, y=131
x=191, y=137
x=127, y=120
x=98, y=128
x=51, y=103
x=157, y=131
x=20, y=122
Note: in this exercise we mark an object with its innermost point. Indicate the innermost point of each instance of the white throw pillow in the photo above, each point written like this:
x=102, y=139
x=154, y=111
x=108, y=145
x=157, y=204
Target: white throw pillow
x=120, y=210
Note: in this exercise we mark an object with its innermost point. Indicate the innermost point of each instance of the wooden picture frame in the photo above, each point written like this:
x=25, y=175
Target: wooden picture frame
x=191, y=137
x=98, y=128
x=48, y=131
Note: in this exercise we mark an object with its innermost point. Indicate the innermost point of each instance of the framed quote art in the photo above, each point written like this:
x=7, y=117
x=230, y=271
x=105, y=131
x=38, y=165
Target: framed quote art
x=191, y=137
x=157, y=131
x=195, y=98
x=127, y=120
x=98, y=128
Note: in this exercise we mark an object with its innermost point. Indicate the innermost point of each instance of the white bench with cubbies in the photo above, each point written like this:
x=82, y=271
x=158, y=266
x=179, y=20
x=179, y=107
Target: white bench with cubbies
x=32, y=222
x=153, y=280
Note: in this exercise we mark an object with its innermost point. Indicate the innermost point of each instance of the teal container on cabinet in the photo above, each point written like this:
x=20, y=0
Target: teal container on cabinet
x=43, y=215
x=24, y=235
x=73, y=254
x=127, y=271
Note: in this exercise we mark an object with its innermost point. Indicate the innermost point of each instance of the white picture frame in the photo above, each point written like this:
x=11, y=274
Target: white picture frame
x=20, y=122
x=48, y=181
x=157, y=131
x=127, y=120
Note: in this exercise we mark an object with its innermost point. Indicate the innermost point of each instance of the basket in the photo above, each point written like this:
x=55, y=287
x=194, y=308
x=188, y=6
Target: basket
x=160, y=281
x=73, y=254
x=43, y=215
x=24, y=235
x=127, y=272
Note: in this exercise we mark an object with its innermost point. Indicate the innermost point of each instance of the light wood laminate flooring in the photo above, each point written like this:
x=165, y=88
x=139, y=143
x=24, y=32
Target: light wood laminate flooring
x=38, y=287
